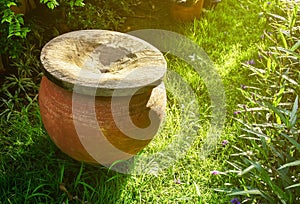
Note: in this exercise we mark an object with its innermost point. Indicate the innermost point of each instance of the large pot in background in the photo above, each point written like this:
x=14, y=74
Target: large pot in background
x=187, y=12
x=102, y=98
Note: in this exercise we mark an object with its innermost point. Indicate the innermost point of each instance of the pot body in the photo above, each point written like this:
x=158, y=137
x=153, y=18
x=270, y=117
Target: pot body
x=187, y=13
x=102, y=97
x=76, y=132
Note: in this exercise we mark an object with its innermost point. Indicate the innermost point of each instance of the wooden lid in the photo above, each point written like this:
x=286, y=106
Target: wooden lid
x=98, y=62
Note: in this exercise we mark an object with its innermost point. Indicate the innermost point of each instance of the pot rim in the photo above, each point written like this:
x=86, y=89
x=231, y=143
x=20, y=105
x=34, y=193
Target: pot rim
x=103, y=63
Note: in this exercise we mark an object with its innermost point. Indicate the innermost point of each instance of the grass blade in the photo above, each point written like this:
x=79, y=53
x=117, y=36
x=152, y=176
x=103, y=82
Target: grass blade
x=266, y=178
x=254, y=132
x=293, y=186
x=62, y=171
x=247, y=170
x=277, y=112
x=293, y=115
x=247, y=192
x=295, y=47
x=294, y=163
x=294, y=142
x=278, y=17
x=78, y=176
x=197, y=189
x=292, y=81
x=252, y=192
x=87, y=186
x=289, y=52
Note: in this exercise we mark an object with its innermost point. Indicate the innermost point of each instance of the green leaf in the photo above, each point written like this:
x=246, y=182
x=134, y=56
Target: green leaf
x=294, y=163
x=293, y=115
x=278, y=96
x=285, y=177
x=266, y=178
x=295, y=47
x=265, y=149
x=87, y=186
x=62, y=171
x=294, y=142
x=254, y=132
x=50, y=3
x=293, y=186
x=247, y=170
x=8, y=16
x=291, y=52
x=19, y=19
x=283, y=40
x=10, y=3
x=79, y=3
x=38, y=195
x=292, y=81
x=197, y=189
x=294, y=15
x=78, y=177
x=278, y=113
x=234, y=165
x=253, y=192
x=278, y=17
x=247, y=192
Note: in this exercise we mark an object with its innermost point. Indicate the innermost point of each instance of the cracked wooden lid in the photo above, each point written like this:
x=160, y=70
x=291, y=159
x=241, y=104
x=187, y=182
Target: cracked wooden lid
x=101, y=62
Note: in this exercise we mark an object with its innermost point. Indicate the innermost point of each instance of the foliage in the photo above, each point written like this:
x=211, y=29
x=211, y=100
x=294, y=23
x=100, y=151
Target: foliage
x=15, y=21
x=13, y=30
x=21, y=88
x=51, y=4
x=20, y=84
x=268, y=166
x=98, y=15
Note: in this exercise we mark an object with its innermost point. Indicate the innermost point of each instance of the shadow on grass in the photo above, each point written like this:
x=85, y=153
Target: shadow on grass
x=34, y=170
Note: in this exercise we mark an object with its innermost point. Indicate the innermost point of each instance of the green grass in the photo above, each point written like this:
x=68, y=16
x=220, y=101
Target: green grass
x=33, y=170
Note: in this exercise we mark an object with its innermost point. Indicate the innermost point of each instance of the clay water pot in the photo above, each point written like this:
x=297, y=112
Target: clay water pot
x=184, y=13
x=102, y=97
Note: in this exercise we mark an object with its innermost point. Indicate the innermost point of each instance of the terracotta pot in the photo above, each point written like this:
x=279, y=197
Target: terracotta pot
x=102, y=98
x=184, y=13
